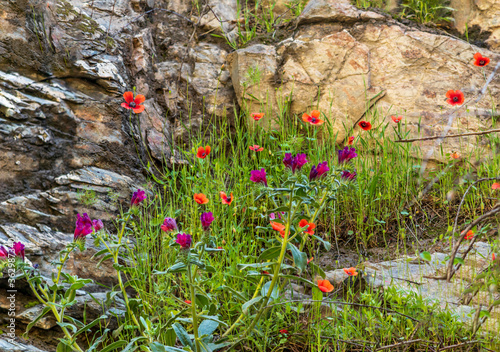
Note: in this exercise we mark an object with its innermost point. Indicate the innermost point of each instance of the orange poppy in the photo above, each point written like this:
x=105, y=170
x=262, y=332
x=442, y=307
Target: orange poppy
x=365, y=125
x=493, y=256
x=187, y=301
x=496, y=185
x=480, y=60
x=310, y=260
x=203, y=152
x=257, y=115
x=469, y=235
x=225, y=199
x=313, y=119
x=200, y=198
x=455, y=97
x=310, y=226
x=325, y=286
x=278, y=227
x=455, y=155
x=350, y=141
x=351, y=271
x=256, y=147
x=396, y=119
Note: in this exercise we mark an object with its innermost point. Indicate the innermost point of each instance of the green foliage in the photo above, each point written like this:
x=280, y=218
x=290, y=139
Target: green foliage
x=427, y=11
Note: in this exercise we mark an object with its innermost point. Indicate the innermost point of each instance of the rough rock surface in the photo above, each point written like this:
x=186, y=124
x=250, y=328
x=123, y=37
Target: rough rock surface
x=352, y=65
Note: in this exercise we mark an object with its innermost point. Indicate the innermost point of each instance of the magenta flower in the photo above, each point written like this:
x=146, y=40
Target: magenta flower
x=18, y=248
x=184, y=240
x=294, y=163
x=258, y=176
x=206, y=220
x=349, y=176
x=138, y=197
x=346, y=154
x=98, y=225
x=4, y=253
x=273, y=216
x=318, y=172
x=83, y=226
x=169, y=224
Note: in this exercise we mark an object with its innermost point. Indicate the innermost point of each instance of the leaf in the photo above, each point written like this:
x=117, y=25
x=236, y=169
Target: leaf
x=269, y=254
x=158, y=347
x=298, y=278
x=426, y=256
x=265, y=289
x=114, y=346
x=317, y=270
x=182, y=335
x=326, y=244
x=207, y=327
x=239, y=295
x=131, y=346
x=458, y=260
x=177, y=268
x=255, y=265
x=40, y=316
x=250, y=303
x=299, y=258
x=62, y=347
x=496, y=303
x=67, y=325
x=214, y=318
x=90, y=325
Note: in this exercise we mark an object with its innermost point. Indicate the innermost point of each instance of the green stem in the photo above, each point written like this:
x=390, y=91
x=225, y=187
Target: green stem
x=315, y=215
x=193, y=310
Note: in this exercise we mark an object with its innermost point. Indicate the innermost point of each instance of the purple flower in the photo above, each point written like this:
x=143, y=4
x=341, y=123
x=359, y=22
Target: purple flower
x=18, y=248
x=346, y=154
x=4, y=253
x=294, y=163
x=318, y=172
x=258, y=176
x=350, y=176
x=184, y=240
x=137, y=197
x=83, y=226
x=206, y=220
x=169, y=224
x=97, y=223
x=272, y=216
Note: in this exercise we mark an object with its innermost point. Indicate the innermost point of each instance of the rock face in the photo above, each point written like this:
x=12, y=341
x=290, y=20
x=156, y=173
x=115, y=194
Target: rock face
x=352, y=65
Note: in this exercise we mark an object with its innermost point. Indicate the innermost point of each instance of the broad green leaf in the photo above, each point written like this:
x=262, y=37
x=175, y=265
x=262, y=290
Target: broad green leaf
x=40, y=316
x=458, y=260
x=207, y=327
x=326, y=244
x=250, y=303
x=269, y=254
x=114, y=346
x=426, y=256
x=265, y=289
x=182, y=335
x=300, y=258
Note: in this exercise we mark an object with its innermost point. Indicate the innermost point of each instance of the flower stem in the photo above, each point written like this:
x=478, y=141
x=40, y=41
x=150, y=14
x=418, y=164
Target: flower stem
x=315, y=215
x=193, y=310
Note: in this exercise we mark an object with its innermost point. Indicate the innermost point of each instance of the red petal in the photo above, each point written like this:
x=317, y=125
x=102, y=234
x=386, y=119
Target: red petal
x=306, y=118
x=128, y=96
x=315, y=114
x=139, y=109
x=139, y=99
x=126, y=106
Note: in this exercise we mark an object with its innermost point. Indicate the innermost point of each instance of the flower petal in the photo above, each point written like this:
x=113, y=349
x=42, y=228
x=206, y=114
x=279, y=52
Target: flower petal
x=139, y=109
x=126, y=106
x=128, y=96
x=315, y=114
x=139, y=99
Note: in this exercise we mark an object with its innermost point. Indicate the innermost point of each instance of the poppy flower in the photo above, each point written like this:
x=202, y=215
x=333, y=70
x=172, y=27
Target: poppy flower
x=351, y=271
x=469, y=235
x=396, y=119
x=256, y=148
x=350, y=141
x=97, y=224
x=349, y=176
x=133, y=103
x=496, y=185
x=294, y=163
x=203, y=152
x=137, y=197
x=284, y=331
x=83, y=226
x=325, y=286
x=313, y=119
x=319, y=171
x=18, y=248
x=263, y=272
x=187, y=301
x=347, y=154
x=365, y=125
x=184, y=240
x=258, y=176
x=455, y=97
x=480, y=60
x=310, y=260
x=200, y=198
x=169, y=224
x=257, y=115
x=310, y=226
x=219, y=247
x=225, y=199
x=278, y=227
x=206, y=219
x=455, y=155
x=493, y=257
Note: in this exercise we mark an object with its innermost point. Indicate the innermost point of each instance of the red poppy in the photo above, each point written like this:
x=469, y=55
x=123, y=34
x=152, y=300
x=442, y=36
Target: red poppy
x=219, y=248
x=396, y=119
x=256, y=147
x=200, y=198
x=225, y=199
x=455, y=155
x=350, y=141
x=313, y=119
x=278, y=227
x=257, y=115
x=284, y=331
x=365, y=125
x=493, y=257
x=203, y=152
x=187, y=301
x=325, y=286
x=351, y=271
x=310, y=260
x=310, y=226
x=455, y=97
x=134, y=104
x=480, y=60
x=263, y=272
x=469, y=235
x=496, y=185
